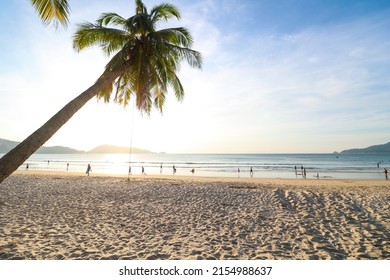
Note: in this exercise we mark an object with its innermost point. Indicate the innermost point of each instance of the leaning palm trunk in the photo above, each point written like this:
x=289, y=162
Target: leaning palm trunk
x=144, y=66
x=17, y=156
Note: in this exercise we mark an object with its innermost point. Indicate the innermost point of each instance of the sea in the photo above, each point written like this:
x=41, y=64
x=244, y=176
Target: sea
x=287, y=166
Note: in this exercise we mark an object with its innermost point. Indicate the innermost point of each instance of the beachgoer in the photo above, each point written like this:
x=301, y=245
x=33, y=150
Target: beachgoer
x=385, y=171
x=27, y=166
x=67, y=166
x=296, y=170
x=129, y=170
x=238, y=171
x=251, y=172
x=304, y=173
x=161, y=168
x=143, y=170
x=192, y=170
x=89, y=169
x=174, y=170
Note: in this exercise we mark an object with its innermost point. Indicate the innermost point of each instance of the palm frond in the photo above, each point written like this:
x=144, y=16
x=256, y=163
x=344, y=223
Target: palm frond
x=179, y=41
x=117, y=60
x=146, y=58
x=193, y=58
x=159, y=99
x=89, y=34
x=179, y=36
x=164, y=12
x=123, y=92
x=140, y=7
x=139, y=24
x=56, y=11
x=105, y=93
x=110, y=18
x=177, y=87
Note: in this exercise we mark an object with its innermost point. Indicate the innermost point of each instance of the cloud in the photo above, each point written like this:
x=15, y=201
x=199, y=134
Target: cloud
x=312, y=84
x=320, y=78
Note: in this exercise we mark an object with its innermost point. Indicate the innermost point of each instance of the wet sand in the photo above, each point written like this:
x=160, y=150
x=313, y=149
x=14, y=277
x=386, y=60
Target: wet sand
x=69, y=216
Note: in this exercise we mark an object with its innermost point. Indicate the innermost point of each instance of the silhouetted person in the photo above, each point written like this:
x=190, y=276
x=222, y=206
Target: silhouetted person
x=89, y=169
x=67, y=166
x=251, y=172
x=143, y=170
x=385, y=171
x=174, y=170
x=27, y=166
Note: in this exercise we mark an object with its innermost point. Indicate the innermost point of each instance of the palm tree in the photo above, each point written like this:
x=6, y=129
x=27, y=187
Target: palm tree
x=56, y=11
x=144, y=66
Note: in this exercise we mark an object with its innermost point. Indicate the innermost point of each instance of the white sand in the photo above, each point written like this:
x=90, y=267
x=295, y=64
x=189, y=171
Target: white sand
x=68, y=216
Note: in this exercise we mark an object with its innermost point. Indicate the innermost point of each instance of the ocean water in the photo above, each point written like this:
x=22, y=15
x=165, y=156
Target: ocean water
x=327, y=166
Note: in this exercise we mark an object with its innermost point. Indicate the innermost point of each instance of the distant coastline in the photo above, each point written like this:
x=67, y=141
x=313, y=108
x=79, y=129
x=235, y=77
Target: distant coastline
x=383, y=148
x=7, y=145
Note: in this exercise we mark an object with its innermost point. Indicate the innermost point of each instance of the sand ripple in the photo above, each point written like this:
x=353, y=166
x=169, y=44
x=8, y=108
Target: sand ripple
x=56, y=217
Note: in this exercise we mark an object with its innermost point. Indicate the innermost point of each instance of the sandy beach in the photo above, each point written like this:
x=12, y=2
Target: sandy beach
x=70, y=216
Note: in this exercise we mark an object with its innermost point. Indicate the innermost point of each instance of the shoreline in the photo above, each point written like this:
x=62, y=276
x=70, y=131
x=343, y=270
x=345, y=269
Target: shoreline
x=325, y=166
x=49, y=215
x=198, y=178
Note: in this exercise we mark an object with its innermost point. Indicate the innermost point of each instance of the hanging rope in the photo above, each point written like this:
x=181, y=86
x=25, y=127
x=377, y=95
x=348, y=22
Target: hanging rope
x=131, y=141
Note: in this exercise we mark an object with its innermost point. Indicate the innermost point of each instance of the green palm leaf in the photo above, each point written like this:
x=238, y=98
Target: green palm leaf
x=148, y=58
x=109, y=39
x=56, y=11
x=164, y=12
x=111, y=18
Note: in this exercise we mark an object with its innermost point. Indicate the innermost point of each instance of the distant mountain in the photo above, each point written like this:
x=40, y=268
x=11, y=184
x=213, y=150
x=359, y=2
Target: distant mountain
x=110, y=149
x=7, y=145
x=58, y=150
x=384, y=148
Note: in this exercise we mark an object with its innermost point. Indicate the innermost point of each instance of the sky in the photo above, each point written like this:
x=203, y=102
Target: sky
x=286, y=76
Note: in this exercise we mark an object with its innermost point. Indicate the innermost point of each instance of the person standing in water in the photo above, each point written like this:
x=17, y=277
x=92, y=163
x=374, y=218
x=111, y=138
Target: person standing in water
x=385, y=171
